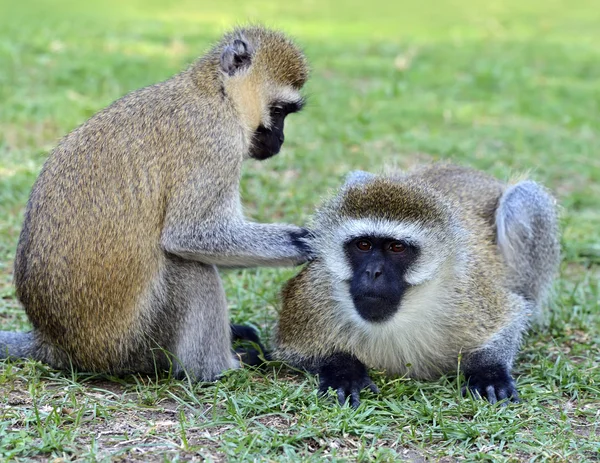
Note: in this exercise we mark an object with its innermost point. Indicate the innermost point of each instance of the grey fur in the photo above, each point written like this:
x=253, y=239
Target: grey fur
x=503, y=347
x=527, y=228
x=236, y=243
x=201, y=342
x=358, y=177
x=15, y=345
x=134, y=209
x=527, y=231
x=236, y=56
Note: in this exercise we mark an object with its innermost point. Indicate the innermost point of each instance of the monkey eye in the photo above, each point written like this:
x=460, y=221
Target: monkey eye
x=364, y=245
x=397, y=246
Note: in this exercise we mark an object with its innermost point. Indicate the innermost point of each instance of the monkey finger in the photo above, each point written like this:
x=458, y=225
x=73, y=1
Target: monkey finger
x=507, y=394
x=502, y=395
x=490, y=393
x=254, y=356
x=244, y=333
x=303, y=242
x=373, y=388
x=341, y=395
x=355, y=398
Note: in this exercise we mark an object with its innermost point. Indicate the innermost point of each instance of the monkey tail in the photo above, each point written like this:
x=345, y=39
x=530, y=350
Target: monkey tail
x=16, y=345
x=528, y=238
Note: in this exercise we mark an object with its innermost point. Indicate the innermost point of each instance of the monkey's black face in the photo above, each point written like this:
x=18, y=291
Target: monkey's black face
x=267, y=142
x=379, y=266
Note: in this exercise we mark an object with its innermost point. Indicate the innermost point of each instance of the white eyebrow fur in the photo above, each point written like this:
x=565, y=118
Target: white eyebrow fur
x=286, y=94
x=428, y=261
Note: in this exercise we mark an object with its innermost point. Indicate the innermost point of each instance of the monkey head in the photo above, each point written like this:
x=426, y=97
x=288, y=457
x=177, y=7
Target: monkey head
x=268, y=139
x=263, y=72
x=381, y=239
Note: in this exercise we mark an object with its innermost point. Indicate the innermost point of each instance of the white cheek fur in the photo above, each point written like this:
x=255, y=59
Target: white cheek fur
x=411, y=341
x=412, y=336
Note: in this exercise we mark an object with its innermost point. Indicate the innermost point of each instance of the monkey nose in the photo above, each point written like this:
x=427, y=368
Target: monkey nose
x=374, y=273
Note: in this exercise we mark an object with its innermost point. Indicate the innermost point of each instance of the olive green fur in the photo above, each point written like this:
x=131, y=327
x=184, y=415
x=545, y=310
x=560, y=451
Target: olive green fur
x=474, y=298
x=98, y=266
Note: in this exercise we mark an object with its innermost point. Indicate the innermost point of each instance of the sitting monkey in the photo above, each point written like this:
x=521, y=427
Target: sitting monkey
x=134, y=210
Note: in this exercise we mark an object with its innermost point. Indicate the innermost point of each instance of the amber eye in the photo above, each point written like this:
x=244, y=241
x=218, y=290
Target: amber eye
x=397, y=246
x=364, y=245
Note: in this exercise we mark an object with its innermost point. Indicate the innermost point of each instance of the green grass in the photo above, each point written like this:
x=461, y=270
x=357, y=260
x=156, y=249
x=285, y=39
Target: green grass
x=503, y=86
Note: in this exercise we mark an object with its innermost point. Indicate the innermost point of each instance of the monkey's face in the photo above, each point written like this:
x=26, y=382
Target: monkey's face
x=269, y=137
x=379, y=266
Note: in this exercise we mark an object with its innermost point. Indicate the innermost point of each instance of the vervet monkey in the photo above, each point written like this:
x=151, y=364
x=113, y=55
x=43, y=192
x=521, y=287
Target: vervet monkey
x=416, y=271
x=134, y=210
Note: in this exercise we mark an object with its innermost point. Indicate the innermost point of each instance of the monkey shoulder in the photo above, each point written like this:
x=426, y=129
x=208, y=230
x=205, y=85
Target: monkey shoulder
x=307, y=292
x=306, y=323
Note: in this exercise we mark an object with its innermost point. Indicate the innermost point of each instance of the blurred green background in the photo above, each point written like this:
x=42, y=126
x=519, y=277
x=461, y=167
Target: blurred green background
x=506, y=86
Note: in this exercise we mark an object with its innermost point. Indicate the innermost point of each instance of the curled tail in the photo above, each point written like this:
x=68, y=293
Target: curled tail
x=528, y=238
x=16, y=345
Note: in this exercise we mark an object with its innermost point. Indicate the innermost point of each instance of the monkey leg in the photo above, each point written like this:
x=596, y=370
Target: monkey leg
x=488, y=369
x=201, y=342
x=527, y=230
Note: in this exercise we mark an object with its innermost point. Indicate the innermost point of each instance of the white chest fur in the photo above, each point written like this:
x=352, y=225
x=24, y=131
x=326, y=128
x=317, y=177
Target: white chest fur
x=413, y=342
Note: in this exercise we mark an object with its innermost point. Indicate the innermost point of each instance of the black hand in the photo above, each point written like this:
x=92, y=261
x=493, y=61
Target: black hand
x=302, y=240
x=346, y=375
x=493, y=383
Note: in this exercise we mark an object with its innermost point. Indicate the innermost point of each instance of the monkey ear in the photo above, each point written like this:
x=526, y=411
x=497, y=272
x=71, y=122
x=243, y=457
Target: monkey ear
x=358, y=177
x=236, y=56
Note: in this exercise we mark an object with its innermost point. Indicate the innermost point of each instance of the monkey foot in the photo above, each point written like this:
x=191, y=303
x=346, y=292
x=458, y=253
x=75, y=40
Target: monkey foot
x=493, y=384
x=251, y=356
x=347, y=376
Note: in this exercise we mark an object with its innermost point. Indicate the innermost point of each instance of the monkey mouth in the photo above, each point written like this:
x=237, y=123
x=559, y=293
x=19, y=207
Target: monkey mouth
x=262, y=152
x=371, y=298
x=375, y=308
x=265, y=144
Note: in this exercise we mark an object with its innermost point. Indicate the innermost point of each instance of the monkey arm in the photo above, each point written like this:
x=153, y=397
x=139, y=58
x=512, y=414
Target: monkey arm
x=310, y=335
x=211, y=228
x=488, y=369
x=239, y=244
x=346, y=375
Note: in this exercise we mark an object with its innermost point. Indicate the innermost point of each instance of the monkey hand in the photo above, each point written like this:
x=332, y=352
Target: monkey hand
x=492, y=383
x=347, y=376
x=302, y=241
